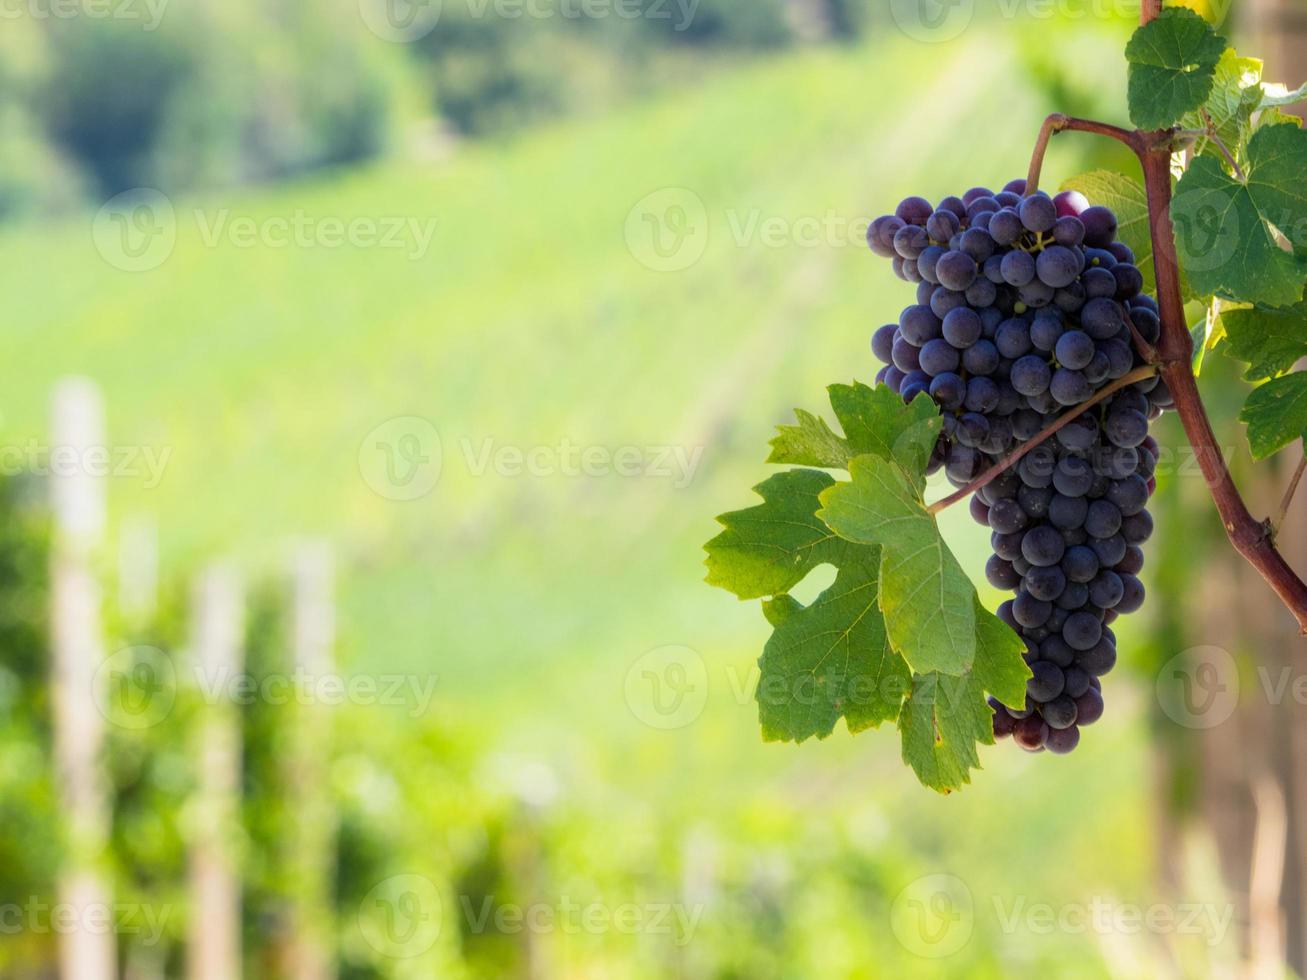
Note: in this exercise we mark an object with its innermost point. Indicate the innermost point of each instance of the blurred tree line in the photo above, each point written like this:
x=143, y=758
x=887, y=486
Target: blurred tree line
x=208, y=95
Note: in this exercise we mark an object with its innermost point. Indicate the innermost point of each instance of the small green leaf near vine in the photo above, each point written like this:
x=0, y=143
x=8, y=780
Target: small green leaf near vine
x=1172, y=66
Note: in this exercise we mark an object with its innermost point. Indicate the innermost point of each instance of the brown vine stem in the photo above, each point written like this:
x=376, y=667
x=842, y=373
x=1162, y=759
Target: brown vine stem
x=1251, y=538
x=1014, y=457
x=1059, y=123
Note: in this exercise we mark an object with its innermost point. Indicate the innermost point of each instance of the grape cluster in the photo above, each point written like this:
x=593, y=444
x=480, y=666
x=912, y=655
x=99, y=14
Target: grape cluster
x=1024, y=309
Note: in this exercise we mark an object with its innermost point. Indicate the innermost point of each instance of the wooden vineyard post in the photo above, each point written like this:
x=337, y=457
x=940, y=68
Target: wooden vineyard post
x=311, y=952
x=77, y=500
x=214, y=946
x=138, y=571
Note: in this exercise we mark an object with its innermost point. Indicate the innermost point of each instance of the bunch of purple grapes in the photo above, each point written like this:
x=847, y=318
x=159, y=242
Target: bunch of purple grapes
x=1024, y=310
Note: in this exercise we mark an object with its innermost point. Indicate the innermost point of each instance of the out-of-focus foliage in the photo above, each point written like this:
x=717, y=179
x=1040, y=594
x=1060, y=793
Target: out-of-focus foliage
x=29, y=828
x=179, y=96
x=34, y=176
x=149, y=757
x=212, y=95
x=530, y=780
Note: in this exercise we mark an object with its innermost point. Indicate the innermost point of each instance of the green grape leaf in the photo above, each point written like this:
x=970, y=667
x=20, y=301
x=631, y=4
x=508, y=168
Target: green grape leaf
x=778, y=610
x=810, y=443
x=1200, y=333
x=1270, y=340
x=1277, y=117
x=900, y=601
x=1128, y=202
x=1276, y=94
x=999, y=666
x=940, y=726
x=1276, y=414
x=830, y=659
x=874, y=420
x=946, y=717
x=768, y=549
x=1236, y=95
x=927, y=599
x=1172, y=66
x=1224, y=225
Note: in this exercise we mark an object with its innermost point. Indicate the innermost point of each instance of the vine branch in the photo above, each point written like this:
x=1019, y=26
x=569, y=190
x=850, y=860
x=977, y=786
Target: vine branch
x=1014, y=457
x=1172, y=355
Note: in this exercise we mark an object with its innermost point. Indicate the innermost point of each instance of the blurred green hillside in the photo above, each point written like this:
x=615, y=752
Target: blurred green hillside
x=528, y=321
x=531, y=320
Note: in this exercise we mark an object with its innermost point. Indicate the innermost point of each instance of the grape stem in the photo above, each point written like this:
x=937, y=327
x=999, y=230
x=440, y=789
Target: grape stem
x=1215, y=137
x=1014, y=457
x=1288, y=494
x=1059, y=123
x=1146, y=350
